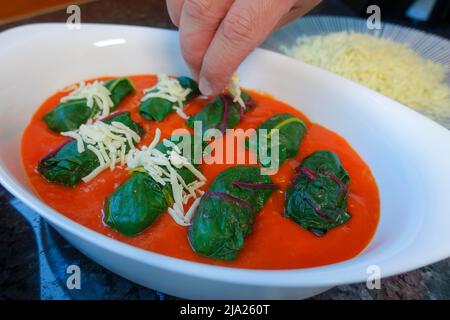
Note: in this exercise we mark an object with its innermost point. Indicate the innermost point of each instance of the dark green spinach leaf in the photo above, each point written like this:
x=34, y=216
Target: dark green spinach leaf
x=212, y=114
x=67, y=166
x=190, y=153
x=226, y=212
x=71, y=115
x=317, y=198
x=158, y=108
x=290, y=133
x=137, y=203
x=125, y=118
x=256, y=196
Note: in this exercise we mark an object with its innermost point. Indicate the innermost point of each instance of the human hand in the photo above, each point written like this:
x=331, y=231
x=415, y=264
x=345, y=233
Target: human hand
x=217, y=35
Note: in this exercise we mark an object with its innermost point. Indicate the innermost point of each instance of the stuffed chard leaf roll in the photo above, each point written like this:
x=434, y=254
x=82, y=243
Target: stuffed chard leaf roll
x=227, y=211
x=86, y=102
x=169, y=95
x=290, y=132
x=317, y=198
x=140, y=200
x=136, y=204
x=76, y=160
x=222, y=113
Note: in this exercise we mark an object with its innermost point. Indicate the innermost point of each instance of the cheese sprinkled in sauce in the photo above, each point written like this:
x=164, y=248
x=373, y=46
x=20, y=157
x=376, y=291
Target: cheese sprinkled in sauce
x=169, y=89
x=109, y=142
x=94, y=93
x=162, y=168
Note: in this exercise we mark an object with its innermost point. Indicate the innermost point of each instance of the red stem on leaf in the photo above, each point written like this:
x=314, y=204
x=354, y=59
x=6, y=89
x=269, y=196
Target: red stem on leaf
x=254, y=185
x=112, y=115
x=318, y=210
x=340, y=184
x=230, y=198
x=55, y=151
x=307, y=172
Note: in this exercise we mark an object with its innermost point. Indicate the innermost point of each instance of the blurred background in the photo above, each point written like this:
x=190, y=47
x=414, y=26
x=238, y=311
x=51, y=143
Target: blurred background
x=34, y=258
x=430, y=15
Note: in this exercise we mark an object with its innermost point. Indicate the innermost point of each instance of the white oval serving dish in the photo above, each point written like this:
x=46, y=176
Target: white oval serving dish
x=409, y=156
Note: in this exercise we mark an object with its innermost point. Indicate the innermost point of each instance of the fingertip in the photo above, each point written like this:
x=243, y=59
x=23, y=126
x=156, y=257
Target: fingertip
x=194, y=74
x=213, y=78
x=205, y=86
x=174, y=8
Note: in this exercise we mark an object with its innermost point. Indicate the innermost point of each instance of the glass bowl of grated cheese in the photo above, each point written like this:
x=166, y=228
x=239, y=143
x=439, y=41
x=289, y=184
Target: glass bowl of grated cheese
x=407, y=65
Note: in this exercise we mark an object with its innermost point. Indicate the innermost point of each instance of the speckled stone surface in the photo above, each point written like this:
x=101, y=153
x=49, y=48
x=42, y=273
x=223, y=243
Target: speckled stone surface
x=34, y=258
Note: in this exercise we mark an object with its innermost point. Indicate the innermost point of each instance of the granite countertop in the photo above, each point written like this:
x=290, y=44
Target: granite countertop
x=34, y=258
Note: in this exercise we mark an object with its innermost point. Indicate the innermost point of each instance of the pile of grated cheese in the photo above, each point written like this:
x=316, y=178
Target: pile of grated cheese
x=93, y=92
x=169, y=89
x=162, y=168
x=109, y=142
x=390, y=68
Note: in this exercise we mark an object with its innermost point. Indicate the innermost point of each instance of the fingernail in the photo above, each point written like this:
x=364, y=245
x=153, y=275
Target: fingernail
x=206, y=87
x=194, y=74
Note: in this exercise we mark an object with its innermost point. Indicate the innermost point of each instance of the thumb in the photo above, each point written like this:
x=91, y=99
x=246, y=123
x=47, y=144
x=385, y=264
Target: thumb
x=245, y=26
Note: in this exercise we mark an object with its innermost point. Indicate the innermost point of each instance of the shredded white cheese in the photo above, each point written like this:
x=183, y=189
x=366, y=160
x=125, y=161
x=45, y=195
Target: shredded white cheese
x=388, y=67
x=94, y=92
x=107, y=141
x=190, y=213
x=162, y=168
x=235, y=90
x=169, y=89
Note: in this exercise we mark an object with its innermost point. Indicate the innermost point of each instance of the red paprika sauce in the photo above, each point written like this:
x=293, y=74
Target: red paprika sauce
x=275, y=242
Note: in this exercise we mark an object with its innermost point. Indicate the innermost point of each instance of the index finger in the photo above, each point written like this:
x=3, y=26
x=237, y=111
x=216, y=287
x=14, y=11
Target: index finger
x=245, y=26
x=174, y=7
x=198, y=24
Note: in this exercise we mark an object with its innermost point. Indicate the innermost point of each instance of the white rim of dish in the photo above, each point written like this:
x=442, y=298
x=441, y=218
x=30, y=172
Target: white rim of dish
x=323, y=276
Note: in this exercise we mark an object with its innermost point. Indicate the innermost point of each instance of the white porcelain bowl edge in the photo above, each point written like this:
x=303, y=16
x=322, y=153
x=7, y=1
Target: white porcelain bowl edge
x=409, y=156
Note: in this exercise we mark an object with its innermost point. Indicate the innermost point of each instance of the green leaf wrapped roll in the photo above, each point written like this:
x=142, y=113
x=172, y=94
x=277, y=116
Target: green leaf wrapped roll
x=317, y=198
x=140, y=200
x=136, y=204
x=157, y=108
x=227, y=210
x=67, y=166
x=291, y=130
x=70, y=115
x=221, y=113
